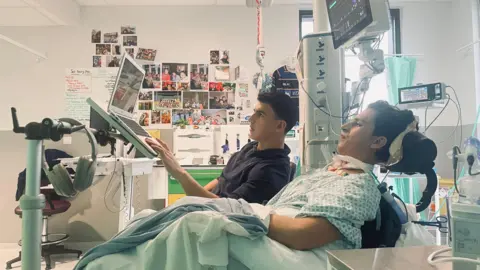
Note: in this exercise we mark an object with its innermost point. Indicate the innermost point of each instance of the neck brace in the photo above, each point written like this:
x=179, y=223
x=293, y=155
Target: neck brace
x=396, y=149
x=346, y=162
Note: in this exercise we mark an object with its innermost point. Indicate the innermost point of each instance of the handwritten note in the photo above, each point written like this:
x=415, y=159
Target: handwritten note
x=81, y=84
x=77, y=107
x=78, y=81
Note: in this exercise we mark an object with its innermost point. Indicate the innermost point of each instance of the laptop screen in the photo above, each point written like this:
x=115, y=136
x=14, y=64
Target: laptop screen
x=127, y=88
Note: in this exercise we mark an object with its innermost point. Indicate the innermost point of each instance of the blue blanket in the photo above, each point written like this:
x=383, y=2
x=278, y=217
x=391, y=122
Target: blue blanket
x=148, y=228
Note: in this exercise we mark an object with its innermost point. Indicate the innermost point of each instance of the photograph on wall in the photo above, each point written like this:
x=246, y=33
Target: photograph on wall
x=167, y=100
x=205, y=86
x=225, y=57
x=169, y=86
x=182, y=86
x=152, y=77
x=110, y=37
x=130, y=51
x=113, y=61
x=175, y=72
x=214, y=57
x=103, y=49
x=146, y=54
x=222, y=100
x=145, y=95
x=242, y=90
x=241, y=104
x=215, y=117
x=116, y=50
x=232, y=118
x=229, y=87
x=215, y=87
x=96, y=36
x=198, y=74
x=145, y=105
x=187, y=117
x=161, y=117
x=222, y=73
x=195, y=100
x=97, y=61
x=128, y=30
x=144, y=119
x=130, y=41
x=237, y=73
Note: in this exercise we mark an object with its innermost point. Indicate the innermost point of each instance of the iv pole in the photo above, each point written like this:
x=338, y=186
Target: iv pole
x=32, y=202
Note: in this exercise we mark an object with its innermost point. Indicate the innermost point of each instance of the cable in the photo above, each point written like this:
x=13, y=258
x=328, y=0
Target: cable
x=425, y=116
x=440, y=113
x=456, y=127
x=108, y=187
x=385, y=177
x=433, y=261
x=318, y=107
x=459, y=112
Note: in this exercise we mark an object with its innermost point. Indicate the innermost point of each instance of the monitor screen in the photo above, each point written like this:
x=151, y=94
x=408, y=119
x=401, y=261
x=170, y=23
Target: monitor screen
x=414, y=95
x=128, y=87
x=348, y=18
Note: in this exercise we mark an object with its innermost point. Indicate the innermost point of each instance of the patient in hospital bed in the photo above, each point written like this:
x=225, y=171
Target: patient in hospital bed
x=321, y=210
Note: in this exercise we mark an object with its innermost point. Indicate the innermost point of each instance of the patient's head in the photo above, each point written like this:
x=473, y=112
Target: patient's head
x=369, y=135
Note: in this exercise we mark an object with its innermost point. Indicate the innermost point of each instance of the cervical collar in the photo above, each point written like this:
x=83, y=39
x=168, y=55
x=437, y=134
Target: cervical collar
x=346, y=162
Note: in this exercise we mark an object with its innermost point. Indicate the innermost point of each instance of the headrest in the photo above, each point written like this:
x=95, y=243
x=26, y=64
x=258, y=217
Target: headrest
x=419, y=154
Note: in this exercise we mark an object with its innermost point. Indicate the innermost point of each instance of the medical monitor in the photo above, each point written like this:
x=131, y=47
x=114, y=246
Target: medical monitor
x=355, y=20
x=421, y=93
x=127, y=87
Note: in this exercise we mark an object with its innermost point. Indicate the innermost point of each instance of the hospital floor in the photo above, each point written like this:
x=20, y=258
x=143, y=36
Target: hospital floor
x=60, y=262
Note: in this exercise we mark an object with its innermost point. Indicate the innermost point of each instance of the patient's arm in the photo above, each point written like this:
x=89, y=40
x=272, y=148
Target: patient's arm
x=302, y=233
x=210, y=186
x=192, y=187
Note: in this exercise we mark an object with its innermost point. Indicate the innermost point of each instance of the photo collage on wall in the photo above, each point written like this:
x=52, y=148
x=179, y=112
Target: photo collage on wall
x=186, y=94
x=109, y=46
x=176, y=93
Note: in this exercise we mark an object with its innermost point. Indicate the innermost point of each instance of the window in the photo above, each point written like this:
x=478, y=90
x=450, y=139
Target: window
x=390, y=44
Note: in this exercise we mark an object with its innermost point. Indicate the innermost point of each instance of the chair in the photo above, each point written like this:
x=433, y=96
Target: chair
x=50, y=242
x=384, y=231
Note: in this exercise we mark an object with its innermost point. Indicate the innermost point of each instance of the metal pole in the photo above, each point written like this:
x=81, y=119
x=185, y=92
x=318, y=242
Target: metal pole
x=32, y=204
x=320, y=17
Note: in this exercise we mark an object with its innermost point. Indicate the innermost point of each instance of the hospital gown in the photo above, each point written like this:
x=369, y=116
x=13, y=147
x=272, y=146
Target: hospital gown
x=345, y=201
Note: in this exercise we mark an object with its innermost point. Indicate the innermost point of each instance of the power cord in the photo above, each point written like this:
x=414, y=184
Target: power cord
x=432, y=260
x=107, y=189
x=440, y=113
x=456, y=127
x=459, y=112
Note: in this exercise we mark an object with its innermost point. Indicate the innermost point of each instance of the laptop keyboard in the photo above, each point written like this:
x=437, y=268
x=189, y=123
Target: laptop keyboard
x=134, y=126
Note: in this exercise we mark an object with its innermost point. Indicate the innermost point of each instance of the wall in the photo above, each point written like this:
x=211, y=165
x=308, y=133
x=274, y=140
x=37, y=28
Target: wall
x=445, y=27
x=179, y=34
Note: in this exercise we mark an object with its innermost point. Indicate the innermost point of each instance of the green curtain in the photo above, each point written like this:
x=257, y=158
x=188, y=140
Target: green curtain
x=401, y=186
x=401, y=73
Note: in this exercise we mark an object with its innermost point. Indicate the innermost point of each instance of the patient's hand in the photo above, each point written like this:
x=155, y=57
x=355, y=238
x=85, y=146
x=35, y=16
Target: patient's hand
x=169, y=160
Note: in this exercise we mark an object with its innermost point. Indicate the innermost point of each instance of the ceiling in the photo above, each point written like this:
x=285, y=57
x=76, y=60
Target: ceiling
x=175, y=2
x=66, y=12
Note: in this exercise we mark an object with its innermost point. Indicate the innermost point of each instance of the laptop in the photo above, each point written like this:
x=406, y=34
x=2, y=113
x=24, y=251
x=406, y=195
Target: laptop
x=121, y=107
x=125, y=95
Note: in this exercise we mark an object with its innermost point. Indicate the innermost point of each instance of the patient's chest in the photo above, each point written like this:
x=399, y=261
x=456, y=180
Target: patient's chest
x=297, y=192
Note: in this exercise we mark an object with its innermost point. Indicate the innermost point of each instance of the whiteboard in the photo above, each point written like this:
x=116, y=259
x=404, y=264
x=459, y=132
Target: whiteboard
x=81, y=83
